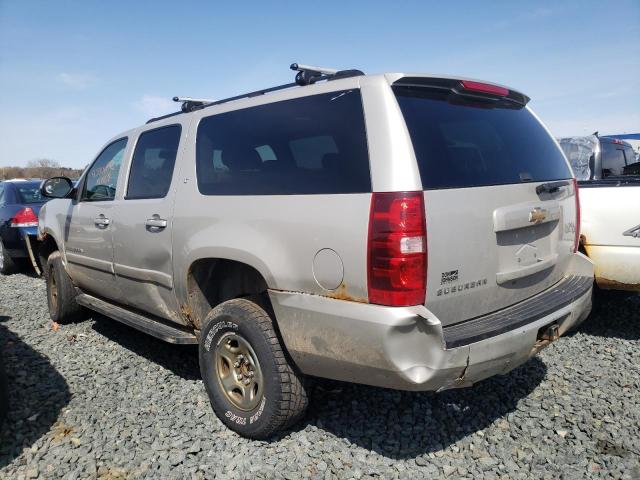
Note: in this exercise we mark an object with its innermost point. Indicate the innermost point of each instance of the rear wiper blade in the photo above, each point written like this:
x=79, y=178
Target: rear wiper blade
x=551, y=187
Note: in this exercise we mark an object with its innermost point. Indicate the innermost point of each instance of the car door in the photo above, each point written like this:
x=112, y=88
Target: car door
x=142, y=233
x=89, y=242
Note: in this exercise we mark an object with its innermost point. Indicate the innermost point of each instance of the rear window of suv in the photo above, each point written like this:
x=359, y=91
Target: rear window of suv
x=460, y=143
x=309, y=145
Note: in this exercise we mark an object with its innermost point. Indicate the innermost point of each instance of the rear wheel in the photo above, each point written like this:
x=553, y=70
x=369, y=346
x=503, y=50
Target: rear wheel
x=253, y=387
x=61, y=294
x=7, y=265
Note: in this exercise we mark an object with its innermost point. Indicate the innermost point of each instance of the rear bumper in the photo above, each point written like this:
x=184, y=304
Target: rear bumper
x=14, y=240
x=406, y=348
x=617, y=268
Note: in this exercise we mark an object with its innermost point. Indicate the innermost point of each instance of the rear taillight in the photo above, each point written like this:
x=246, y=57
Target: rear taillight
x=25, y=218
x=576, y=242
x=397, y=252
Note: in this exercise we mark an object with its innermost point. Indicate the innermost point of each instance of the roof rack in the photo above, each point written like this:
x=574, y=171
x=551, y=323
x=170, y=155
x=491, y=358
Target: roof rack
x=307, y=75
x=189, y=104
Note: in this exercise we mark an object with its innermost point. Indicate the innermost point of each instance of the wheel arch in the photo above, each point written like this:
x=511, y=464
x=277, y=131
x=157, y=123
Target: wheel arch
x=213, y=280
x=47, y=244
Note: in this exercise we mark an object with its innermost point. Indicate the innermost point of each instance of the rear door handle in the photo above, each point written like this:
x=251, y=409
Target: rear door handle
x=156, y=223
x=551, y=187
x=101, y=221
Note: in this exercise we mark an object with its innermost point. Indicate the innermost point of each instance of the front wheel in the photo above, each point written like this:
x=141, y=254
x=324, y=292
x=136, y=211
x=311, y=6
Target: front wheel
x=61, y=293
x=253, y=388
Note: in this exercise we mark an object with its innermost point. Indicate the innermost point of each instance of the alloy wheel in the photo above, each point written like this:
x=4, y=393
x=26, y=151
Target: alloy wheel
x=238, y=371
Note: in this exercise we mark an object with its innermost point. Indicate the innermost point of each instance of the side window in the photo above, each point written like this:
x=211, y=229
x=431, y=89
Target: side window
x=612, y=159
x=1, y=194
x=630, y=155
x=153, y=161
x=309, y=145
x=102, y=177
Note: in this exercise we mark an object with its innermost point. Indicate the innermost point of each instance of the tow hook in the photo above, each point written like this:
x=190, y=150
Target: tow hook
x=546, y=335
x=551, y=333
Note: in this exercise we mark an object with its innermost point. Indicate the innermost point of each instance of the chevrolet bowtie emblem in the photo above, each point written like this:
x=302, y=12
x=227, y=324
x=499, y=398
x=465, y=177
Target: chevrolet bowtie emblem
x=537, y=215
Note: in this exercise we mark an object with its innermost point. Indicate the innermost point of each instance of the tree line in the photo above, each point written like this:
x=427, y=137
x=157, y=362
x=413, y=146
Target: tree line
x=40, y=168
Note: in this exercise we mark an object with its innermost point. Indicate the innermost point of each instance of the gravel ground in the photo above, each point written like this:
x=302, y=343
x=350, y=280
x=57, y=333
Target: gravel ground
x=98, y=399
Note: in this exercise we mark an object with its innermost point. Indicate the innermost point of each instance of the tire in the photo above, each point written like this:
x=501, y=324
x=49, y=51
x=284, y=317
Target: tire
x=601, y=295
x=238, y=343
x=61, y=294
x=7, y=265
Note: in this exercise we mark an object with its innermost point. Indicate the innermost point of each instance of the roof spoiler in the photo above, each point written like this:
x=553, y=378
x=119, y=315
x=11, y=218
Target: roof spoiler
x=466, y=88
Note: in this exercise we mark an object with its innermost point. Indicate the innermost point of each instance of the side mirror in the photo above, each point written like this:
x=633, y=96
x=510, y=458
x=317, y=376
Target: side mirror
x=56, y=187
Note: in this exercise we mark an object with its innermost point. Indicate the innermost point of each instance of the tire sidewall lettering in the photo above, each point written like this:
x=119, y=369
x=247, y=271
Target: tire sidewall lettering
x=217, y=328
x=235, y=418
x=242, y=420
x=254, y=418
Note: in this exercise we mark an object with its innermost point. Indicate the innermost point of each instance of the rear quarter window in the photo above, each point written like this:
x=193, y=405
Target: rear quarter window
x=462, y=143
x=29, y=193
x=309, y=145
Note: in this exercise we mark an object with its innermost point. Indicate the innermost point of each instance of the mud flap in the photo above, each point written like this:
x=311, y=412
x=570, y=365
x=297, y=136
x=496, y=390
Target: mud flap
x=32, y=257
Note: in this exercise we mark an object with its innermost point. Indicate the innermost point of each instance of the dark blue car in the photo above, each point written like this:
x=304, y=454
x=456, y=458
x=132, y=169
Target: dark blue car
x=20, y=203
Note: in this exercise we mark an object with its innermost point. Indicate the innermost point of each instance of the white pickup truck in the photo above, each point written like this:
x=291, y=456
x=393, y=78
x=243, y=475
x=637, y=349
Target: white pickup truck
x=608, y=174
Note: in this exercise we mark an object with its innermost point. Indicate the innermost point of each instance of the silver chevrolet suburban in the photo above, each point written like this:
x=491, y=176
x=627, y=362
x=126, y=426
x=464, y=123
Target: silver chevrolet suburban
x=407, y=231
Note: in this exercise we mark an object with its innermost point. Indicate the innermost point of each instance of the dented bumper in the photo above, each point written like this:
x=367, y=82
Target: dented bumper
x=405, y=348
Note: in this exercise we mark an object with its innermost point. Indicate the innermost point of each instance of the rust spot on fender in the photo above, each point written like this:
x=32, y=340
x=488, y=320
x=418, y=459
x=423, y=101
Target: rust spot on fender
x=341, y=293
x=187, y=314
x=608, y=284
x=461, y=378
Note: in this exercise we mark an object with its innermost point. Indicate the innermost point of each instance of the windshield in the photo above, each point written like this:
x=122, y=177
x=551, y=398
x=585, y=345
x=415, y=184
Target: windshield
x=29, y=193
x=462, y=143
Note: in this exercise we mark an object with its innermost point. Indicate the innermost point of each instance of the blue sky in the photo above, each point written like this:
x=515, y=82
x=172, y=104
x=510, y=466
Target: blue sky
x=73, y=74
